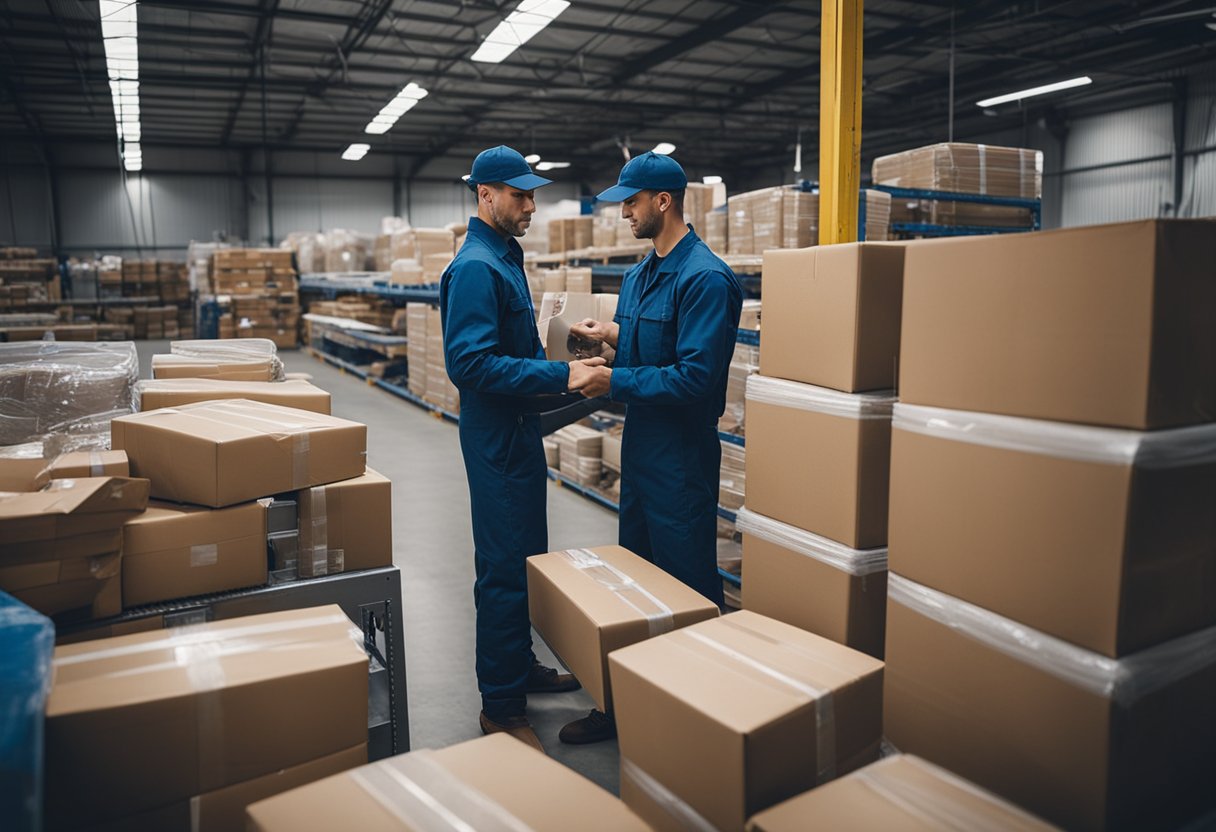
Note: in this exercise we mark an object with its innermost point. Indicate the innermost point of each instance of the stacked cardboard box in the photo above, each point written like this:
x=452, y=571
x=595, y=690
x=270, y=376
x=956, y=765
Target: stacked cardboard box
x=732, y=479
x=744, y=362
x=109, y=277
x=345, y=526
x=173, y=281
x=175, y=392
x=1051, y=520
x=581, y=454
x=25, y=278
x=439, y=389
x=245, y=359
x=776, y=709
x=182, y=729
x=570, y=233
x=261, y=294
x=608, y=229
x=419, y=255
x=416, y=331
x=818, y=440
x=382, y=253
x=345, y=251
x=155, y=322
x=963, y=168
x=715, y=231
x=492, y=782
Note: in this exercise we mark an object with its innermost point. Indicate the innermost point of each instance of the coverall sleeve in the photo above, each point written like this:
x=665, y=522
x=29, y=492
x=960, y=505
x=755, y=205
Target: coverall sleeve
x=705, y=340
x=472, y=352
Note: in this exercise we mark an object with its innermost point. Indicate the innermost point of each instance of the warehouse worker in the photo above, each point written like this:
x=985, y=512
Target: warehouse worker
x=495, y=358
x=674, y=334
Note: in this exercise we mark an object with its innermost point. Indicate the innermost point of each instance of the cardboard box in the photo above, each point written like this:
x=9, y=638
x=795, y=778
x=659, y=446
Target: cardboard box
x=578, y=280
x=230, y=698
x=493, y=782
x=174, y=551
x=1107, y=325
x=72, y=587
x=813, y=583
x=819, y=459
x=1084, y=741
x=221, y=453
x=580, y=453
x=67, y=508
x=777, y=710
x=86, y=464
x=902, y=793
x=964, y=168
x=166, y=366
x=558, y=312
x=585, y=603
x=223, y=810
x=346, y=526
x=179, y=391
x=611, y=450
x=1101, y=537
x=832, y=315
x=23, y=473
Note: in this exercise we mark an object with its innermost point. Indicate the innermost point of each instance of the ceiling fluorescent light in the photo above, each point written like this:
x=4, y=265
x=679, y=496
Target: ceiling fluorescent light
x=532, y=158
x=552, y=165
x=664, y=148
x=377, y=129
x=1046, y=88
x=402, y=103
x=120, y=42
x=520, y=26
x=711, y=180
x=356, y=152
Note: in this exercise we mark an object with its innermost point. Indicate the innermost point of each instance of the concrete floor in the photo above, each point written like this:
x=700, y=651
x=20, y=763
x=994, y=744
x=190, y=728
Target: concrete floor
x=433, y=547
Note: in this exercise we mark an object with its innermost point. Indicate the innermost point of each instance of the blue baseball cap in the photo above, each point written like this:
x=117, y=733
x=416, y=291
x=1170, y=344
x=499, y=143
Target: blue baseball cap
x=648, y=172
x=502, y=164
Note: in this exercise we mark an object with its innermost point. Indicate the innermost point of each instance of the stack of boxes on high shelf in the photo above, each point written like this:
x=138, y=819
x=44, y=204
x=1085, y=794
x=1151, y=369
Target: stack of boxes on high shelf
x=167, y=503
x=257, y=293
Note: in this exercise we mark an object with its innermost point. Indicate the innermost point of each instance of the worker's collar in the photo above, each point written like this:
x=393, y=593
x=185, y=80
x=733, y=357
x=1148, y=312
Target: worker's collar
x=676, y=257
x=509, y=247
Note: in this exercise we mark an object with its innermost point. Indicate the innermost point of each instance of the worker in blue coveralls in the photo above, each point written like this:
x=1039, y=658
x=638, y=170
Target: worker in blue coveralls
x=674, y=334
x=494, y=357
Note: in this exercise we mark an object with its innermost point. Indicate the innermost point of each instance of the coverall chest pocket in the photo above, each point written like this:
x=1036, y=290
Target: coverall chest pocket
x=521, y=327
x=656, y=334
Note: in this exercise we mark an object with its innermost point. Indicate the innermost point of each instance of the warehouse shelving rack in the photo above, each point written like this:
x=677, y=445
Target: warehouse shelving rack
x=370, y=598
x=1035, y=206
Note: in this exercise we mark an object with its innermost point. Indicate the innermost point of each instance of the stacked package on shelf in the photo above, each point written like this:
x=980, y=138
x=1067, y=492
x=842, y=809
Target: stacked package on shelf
x=26, y=278
x=181, y=729
x=308, y=248
x=714, y=231
x=439, y=389
x=419, y=255
x=492, y=782
x=82, y=278
x=1051, y=520
x=68, y=391
x=581, y=454
x=570, y=233
x=346, y=251
x=174, y=392
x=755, y=221
x=198, y=264
x=155, y=322
x=732, y=477
x=264, y=297
x=608, y=229
x=109, y=277
x=700, y=199
x=743, y=363
x=779, y=710
x=963, y=168
x=382, y=253
x=818, y=440
x=416, y=331
x=243, y=359
x=173, y=282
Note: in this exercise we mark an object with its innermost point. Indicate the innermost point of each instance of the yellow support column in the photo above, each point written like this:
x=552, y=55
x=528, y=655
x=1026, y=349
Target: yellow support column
x=839, y=120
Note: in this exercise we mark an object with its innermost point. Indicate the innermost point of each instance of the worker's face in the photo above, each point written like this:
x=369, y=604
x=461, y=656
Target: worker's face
x=644, y=211
x=510, y=208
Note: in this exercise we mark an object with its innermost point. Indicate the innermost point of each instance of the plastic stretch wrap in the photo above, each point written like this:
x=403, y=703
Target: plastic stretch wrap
x=657, y=614
x=853, y=561
x=27, y=640
x=1173, y=448
x=782, y=393
x=70, y=389
x=425, y=796
x=233, y=350
x=1125, y=680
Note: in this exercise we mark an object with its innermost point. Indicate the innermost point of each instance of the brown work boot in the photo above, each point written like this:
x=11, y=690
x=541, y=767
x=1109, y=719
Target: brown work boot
x=517, y=726
x=543, y=679
x=596, y=726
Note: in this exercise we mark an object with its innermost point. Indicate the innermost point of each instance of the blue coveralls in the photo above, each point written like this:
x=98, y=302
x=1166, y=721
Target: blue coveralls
x=494, y=356
x=678, y=316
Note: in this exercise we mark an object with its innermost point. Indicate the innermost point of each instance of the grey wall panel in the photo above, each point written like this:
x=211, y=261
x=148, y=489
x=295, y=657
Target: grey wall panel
x=1132, y=192
x=25, y=207
x=1199, y=191
x=1116, y=137
x=307, y=204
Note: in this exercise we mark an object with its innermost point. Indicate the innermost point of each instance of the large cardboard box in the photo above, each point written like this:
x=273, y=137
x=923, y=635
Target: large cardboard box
x=1084, y=741
x=1106, y=325
x=185, y=366
x=832, y=315
x=84, y=464
x=1101, y=537
x=175, y=392
x=345, y=526
x=223, y=810
x=819, y=459
x=65, y=509
x=819, y=585
x=901, y=793
x=234, y=700
x=776, y=709
x=69, y=588
x=964, y=168
x=226, y=452
x=493, y=782
x=585, y=603
x=176, y=551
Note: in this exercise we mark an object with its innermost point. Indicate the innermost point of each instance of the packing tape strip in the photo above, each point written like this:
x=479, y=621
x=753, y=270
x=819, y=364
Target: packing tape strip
x=983, y=169
x=426, y=797
x=318, y=532
x=687, y=817
x=97, y=468
x=935, y=810
x=857, y=562
x=659, y=617
x=825, y=707
x=204, y=554
x=299, y=460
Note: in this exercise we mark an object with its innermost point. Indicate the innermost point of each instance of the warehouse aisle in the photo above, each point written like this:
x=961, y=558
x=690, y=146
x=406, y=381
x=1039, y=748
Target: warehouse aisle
x=433, y=547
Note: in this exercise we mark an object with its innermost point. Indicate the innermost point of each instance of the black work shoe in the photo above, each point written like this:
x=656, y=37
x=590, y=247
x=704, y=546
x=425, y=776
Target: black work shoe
x=543, y=679
x=596, y=726
x=517, y=726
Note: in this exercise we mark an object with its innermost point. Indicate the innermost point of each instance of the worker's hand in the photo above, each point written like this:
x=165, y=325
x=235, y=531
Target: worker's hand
x=600, y=383
x=589, y=329
x=581, y=372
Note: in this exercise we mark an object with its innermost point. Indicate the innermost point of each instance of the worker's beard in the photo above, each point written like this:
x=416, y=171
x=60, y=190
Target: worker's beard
x=515, y=226
x=649, y=228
